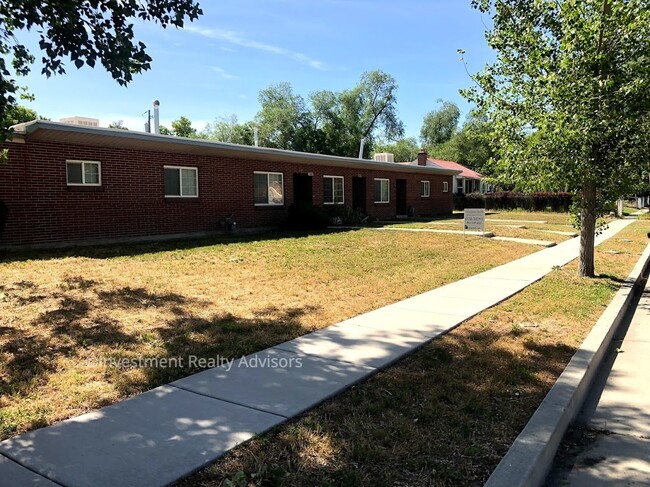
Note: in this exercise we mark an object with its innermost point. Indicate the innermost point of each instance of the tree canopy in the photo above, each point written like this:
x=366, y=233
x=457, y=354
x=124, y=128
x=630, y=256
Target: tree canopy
x=403, y=150
x=16, y=114
x=440, y=125
x=330, y=122
x=183, y=128
x=569, y=99
x=82, y=31
x=228, y=129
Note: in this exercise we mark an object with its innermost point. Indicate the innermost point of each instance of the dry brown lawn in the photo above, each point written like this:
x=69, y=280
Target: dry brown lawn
x=446, y=415
x=63, y=312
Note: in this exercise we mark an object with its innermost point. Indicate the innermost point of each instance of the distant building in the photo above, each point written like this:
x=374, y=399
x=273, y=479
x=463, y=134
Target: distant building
x=465, y=181
x=85, y=121
x=384, y=157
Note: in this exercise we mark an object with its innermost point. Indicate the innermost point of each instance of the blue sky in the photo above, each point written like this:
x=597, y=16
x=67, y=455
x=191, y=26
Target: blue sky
x=217, y=65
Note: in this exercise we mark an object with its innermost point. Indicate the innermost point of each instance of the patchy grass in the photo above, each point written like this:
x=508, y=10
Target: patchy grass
x=539, y=231
x=62, y=313
x=447, y=414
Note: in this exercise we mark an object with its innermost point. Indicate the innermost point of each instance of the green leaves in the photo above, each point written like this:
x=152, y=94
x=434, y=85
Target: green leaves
x=330, y=122
x=569, y=95
x=440, y=125
x=85, y=32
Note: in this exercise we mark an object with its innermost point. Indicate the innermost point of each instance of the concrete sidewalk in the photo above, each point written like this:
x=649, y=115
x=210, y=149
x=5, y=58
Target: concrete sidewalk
x=171, y=431
x=620, y=454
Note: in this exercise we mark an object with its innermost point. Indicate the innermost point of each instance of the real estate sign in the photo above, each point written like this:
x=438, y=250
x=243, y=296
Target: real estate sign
x=474, y=219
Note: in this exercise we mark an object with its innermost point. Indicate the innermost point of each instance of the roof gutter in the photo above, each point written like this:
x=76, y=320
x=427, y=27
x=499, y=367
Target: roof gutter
x=75, y=134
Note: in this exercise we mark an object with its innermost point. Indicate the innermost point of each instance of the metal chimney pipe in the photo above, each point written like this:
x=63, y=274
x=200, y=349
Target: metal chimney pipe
x=363, y=143
x=256, y=137
x=156, y=117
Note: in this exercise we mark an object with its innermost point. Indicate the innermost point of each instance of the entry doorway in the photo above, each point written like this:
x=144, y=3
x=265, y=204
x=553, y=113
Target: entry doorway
x=302, y=189
x=359, y=194
x=401, y=208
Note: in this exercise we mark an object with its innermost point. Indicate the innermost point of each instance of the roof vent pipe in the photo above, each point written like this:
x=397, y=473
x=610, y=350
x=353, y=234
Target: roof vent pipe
x=256, y=137
x=156, y=117
x=363, y=143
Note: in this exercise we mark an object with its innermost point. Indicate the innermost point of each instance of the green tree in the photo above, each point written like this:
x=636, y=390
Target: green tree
x=183, y=128
x=403, y=150
x=366, y=111
x=569, y=97
x=15, y=114
x=228, y=129
x=82, y=31
x=440, y=125
x=469, y=146
x=164, y=130
x=284, y=120
x=117, y=124
x=330, y=123
x=378, y=108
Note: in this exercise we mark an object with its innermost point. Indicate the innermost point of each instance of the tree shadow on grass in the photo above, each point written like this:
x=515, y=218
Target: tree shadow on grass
x=76, y=324
x=443, y=416
x=219, y=337
x=105, y=251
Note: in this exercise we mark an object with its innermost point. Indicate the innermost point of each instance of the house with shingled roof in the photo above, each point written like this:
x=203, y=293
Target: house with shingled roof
x=466, y=181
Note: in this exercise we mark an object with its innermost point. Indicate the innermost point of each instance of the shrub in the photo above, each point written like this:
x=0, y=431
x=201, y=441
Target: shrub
x=307, y=217
x=508, y=200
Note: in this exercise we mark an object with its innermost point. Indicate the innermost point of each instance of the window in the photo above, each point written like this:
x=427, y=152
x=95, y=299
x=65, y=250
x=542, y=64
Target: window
x=445, y=187
x=333, y=190
x=269, y=188
x=181, y=182
x=382, y=191
x=425, y=189
x=83, y=173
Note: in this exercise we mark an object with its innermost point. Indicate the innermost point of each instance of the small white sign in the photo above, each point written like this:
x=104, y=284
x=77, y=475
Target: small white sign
x=474, y=219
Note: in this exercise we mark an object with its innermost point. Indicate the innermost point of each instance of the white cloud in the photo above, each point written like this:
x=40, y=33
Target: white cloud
x=239, y=40
x=223, y=73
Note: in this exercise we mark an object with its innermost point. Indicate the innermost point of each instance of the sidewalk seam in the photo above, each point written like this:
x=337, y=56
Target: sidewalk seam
x=229, y=402
x=32, y=470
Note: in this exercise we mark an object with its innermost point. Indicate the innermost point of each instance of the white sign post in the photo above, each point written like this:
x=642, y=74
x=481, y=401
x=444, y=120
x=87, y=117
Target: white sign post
x=474, y=219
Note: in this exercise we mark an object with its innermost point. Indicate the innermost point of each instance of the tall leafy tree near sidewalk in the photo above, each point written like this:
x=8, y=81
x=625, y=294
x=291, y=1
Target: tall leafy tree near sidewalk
x=84, y=32
x=569, y=99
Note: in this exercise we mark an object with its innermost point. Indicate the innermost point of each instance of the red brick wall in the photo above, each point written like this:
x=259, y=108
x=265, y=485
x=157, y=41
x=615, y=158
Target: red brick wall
x=131, y=201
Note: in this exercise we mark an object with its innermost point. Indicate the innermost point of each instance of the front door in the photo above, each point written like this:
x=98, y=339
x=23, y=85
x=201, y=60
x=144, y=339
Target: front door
x=401, y=207
x=302, y=189
x=359, y=194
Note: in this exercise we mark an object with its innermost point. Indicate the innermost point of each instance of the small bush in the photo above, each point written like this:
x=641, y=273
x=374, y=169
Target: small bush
x=307, y=217
x=508, y=200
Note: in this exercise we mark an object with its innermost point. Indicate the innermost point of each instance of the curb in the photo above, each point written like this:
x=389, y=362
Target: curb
x=530, y=458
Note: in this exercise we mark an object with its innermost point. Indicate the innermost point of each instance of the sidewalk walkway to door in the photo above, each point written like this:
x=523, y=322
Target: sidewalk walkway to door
x=173, y=430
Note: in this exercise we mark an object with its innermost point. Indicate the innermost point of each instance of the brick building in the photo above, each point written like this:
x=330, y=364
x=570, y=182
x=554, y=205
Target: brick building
x=67, y=183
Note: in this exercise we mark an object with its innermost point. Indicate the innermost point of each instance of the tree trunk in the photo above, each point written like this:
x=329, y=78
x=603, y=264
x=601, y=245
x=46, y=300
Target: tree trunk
x=587, y=228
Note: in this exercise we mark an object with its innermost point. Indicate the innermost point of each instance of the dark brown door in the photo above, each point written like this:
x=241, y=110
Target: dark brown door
x=302, y=189
x=401, y=207
x=359, y=194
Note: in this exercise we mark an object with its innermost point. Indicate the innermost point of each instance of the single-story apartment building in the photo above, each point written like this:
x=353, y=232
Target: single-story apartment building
x=67, y=183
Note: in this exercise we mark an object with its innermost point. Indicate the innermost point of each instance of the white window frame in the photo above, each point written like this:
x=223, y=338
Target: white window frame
x=445, y=187
x=83, y=172
x=268, y=202
x=387, y=184
x=342, y=202
x=426, y=185
x=180, y=180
